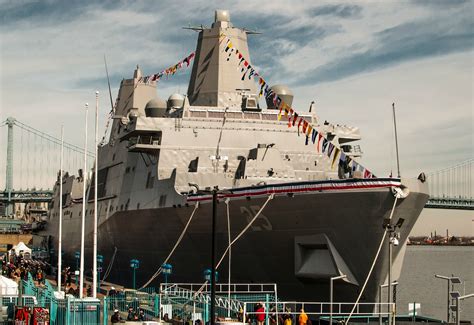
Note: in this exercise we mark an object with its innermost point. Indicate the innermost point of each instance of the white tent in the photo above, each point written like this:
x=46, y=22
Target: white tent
x=21, y=247
x=8, y=286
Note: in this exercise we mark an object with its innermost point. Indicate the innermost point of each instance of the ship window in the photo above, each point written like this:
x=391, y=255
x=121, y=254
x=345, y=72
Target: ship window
x=150, y=180
x=193, y=165
x=162, y=200
x=127, y=170
x=111, y=208
x=101, y=183
x=138, y=206
x=121, y=207
x=113, y=157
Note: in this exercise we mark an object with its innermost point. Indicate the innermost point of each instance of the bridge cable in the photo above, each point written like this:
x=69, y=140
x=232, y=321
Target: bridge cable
x=51, y=138
x=373, y=264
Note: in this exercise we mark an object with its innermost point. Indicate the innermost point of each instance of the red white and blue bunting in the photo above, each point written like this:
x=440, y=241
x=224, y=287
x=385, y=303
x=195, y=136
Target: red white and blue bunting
x=317, y=137
x=307, y=187
x=171, y=70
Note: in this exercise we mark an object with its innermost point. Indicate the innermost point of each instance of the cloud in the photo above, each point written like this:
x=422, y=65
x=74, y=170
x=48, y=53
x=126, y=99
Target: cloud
x=402, y=43
x=52, y=59
x=337, y=10
x=441, y=4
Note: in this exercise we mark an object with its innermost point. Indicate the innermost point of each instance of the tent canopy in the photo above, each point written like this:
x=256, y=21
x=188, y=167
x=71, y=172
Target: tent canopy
x=21, y=247
x=8, y=286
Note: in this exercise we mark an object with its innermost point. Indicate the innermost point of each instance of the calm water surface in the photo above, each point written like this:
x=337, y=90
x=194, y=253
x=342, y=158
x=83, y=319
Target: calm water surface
x=418, y=284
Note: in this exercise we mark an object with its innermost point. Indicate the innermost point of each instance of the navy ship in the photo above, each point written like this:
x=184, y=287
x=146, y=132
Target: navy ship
x=321, y=216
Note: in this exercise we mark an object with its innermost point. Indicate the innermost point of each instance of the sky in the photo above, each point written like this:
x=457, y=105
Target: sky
x=353, y=58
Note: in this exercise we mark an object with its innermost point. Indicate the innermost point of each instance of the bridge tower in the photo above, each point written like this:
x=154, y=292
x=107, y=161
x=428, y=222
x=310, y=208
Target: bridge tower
x=9, y=170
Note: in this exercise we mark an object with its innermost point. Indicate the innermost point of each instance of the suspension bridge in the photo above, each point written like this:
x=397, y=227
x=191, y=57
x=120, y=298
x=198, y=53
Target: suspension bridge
x=33, y=157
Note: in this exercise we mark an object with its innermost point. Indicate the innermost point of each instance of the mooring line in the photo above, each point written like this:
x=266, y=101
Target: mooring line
x=160, y=269
x=373, y=265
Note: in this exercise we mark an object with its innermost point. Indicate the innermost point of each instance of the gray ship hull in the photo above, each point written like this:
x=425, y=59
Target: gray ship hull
x=298, y=242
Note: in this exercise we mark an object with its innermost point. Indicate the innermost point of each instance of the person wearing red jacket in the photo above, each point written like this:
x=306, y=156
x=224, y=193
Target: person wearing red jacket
x=260, y=314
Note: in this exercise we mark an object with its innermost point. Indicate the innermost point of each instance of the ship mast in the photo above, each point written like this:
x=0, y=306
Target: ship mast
x=396, y=138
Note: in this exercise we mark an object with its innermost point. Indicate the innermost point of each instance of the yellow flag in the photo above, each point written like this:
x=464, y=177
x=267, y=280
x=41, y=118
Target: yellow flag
x=337, y=153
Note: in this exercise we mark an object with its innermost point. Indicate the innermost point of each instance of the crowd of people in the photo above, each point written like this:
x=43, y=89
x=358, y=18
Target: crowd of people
x=17, y=267
x=134, y=315
x=258, y=317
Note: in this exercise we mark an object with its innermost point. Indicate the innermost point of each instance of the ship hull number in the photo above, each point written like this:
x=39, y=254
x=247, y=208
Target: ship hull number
x=261, y=223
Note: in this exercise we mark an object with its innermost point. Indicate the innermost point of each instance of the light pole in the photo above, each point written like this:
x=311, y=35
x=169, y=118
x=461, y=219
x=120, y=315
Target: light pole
x=100, y=261
x=167, y=271
x=84, y=205
x=213, y=255
x=393, y=240
x=208, y=276
x=451, y=280
x=77, y=255
x=458, y=300
x=342, y=276
x=95, y=257
x=134, y=264
x=60, y=235
x=394, y=283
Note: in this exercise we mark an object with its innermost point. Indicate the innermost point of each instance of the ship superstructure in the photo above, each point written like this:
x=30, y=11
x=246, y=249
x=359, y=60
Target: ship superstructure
x=323, y=219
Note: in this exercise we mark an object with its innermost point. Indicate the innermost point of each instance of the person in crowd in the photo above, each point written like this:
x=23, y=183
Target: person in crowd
x=166, y=318
x=112, y=292
x=260, y=314
x=240, y=315
x=115, y=317
x=141, y=315
x=39, y=276
x=89, y=290
x=273, y=316
x=303, y=318
x=68, y=276
x=132, y=316
x=288, y=317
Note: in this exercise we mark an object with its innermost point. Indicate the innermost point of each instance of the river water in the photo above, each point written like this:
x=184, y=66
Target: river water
x=418, y=283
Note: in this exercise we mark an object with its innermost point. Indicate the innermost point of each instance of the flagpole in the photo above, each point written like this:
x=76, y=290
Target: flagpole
x=60, y=235
x=81, y=272
x=396, y=138
x=96, y=169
